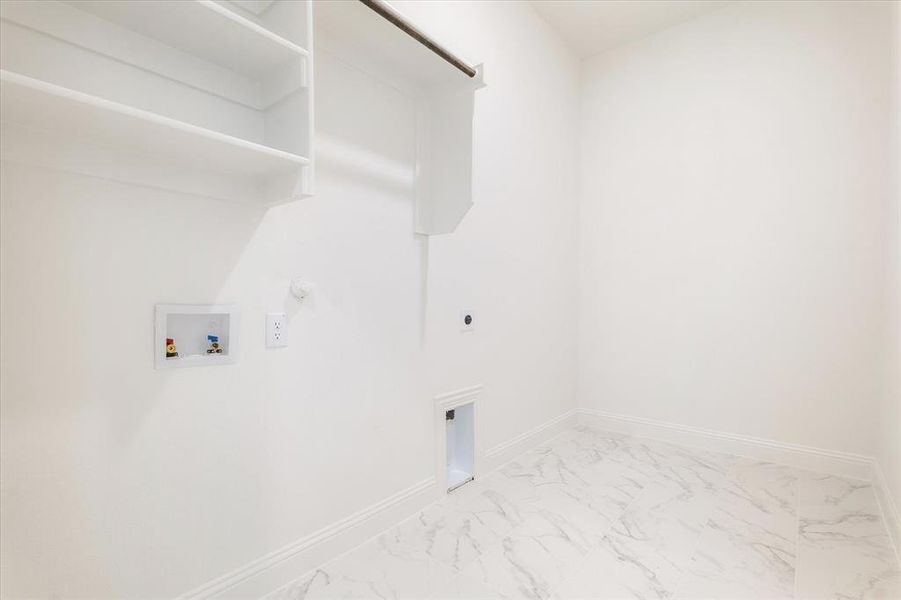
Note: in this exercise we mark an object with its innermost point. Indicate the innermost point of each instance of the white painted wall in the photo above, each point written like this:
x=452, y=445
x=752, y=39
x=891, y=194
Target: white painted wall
x=735, y=221
x=735, y=194
x=888, y=451
x=513, y=259
x=118, y=480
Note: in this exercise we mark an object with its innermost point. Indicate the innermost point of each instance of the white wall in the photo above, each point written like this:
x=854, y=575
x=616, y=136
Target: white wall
x=735, y=191
x=118, y=480
x=514, y=257
x=888, y=451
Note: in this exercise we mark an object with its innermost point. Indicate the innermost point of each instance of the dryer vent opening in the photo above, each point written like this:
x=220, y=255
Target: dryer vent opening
x=460, y=429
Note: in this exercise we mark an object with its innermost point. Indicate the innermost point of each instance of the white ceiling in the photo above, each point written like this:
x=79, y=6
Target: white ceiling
x=592, y=26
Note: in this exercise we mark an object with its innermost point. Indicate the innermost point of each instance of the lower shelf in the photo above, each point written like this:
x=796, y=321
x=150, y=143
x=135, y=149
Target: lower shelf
x=135, y=138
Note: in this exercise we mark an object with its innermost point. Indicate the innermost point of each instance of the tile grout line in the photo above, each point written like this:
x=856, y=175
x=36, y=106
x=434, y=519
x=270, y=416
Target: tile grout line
x=684, y=578
x=574, y=570
x=631, y=503
x=704, y=527
x=312, y=572
x=658, y=476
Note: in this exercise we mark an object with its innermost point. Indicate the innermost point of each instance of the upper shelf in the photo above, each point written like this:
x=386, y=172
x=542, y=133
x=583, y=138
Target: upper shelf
x=44, y=106
x=206, y=98
x=199, y=27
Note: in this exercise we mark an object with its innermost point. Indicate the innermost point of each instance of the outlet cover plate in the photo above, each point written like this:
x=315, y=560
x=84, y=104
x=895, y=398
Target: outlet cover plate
x=276, y=330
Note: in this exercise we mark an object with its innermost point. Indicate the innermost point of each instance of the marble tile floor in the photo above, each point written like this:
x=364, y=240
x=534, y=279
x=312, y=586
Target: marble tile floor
x=593, y=514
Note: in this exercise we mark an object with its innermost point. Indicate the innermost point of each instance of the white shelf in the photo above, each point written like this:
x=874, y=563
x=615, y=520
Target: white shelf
x=45, y=106
x=193, y=96
x=202, y=28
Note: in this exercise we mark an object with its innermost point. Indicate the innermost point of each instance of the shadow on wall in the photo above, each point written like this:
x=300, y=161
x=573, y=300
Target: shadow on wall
x=102, y=249
x=366, y=148
x=364, y=168
x=84, y=260
x=365, y=130
x=128, y=460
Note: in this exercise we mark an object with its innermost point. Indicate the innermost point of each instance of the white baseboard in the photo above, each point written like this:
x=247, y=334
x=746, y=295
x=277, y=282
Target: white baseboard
x=507, y=451
x=890, y=513
x=846, y=464
x=271, y=571
x=820, y=460
x=278, y=568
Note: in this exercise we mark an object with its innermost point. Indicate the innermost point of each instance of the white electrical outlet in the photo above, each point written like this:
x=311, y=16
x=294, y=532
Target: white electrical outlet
x=276, y=330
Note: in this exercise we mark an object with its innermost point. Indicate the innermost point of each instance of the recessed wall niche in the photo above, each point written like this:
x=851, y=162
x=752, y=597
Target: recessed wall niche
x=195, y=335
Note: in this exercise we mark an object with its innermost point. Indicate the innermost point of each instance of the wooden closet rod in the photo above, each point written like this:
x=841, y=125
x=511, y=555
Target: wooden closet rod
x=392, y=16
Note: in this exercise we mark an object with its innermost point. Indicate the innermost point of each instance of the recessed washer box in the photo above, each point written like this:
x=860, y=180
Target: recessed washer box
x=195, y=335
